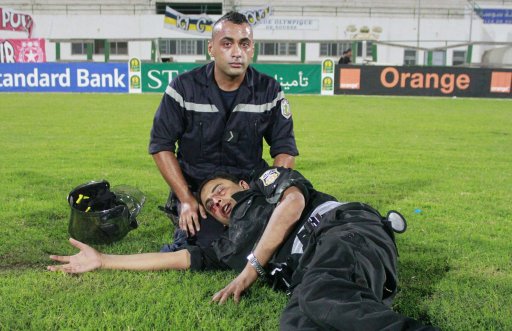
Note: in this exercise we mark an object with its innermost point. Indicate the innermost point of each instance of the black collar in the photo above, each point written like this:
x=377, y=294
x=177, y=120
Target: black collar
x=242, y=195
x=243, y=202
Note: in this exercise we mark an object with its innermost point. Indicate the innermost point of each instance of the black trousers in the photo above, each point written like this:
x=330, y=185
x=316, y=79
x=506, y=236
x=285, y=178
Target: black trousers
x=345, y=272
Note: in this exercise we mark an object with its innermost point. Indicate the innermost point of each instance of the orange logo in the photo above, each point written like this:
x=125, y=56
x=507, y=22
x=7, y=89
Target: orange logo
x=350, y=79
x=390, y=77
x=500, y=82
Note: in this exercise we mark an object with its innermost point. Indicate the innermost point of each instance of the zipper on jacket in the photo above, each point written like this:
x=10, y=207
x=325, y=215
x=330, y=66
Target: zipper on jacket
x=257, y=141
x=201, y=138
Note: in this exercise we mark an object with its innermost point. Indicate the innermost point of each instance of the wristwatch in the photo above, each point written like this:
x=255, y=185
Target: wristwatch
x=256, y=264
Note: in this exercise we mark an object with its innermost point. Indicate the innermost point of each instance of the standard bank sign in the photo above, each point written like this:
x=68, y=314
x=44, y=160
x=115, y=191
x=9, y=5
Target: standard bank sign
x=64, y=77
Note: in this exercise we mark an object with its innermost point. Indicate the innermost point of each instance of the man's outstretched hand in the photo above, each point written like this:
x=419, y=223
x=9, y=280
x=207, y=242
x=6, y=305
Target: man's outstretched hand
x=237, y=286
x=87, y=259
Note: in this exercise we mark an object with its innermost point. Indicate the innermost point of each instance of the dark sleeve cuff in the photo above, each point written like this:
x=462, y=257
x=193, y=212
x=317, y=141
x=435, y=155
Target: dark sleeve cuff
x=290, y=150
x=204, y=259
x=196, y=258
x=156, y=148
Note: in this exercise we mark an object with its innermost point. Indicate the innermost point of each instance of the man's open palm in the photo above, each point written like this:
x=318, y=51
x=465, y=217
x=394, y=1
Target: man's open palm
x=86, y=260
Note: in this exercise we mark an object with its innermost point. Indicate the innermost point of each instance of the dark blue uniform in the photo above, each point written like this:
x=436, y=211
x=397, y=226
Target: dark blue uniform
x=212, y=138
x=339, y=262
x=218, y=131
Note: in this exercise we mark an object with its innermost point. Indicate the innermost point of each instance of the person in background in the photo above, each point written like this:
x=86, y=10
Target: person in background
x=346, y=58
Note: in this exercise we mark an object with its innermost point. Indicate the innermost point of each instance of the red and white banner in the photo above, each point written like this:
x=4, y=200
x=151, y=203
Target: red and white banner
x=22, y=50
x=13, y=21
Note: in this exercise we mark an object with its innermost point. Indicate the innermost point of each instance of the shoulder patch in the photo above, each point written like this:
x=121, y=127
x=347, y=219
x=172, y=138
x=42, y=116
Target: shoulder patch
x=285, y=109
x=269, y=177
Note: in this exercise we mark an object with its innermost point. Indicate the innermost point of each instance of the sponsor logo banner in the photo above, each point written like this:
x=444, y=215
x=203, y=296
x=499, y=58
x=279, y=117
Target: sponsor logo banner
x=294, y=78
x=14, y=21
x=187, y=23
x=64, y=77
x=423, y=81
x=500, y=82
x=327, y=77
x=135, y=75
x=22, y=50
x=350, y=79
x=156, y=76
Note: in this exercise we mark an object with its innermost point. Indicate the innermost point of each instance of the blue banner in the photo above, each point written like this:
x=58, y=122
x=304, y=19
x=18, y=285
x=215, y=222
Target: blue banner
x=64, y=77
x=495, y=15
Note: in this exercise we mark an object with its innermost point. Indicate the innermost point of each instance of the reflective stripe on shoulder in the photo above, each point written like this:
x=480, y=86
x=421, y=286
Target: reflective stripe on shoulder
x=190, y=106
x=248, y=108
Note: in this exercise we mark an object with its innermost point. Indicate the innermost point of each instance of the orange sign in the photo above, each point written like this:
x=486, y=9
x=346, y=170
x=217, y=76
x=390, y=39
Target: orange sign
x=350, y=79
x=446, y=82
x=500, y=82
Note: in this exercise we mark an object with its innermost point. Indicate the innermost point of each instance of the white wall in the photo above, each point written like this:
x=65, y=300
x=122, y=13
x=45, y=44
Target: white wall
x=140, y=29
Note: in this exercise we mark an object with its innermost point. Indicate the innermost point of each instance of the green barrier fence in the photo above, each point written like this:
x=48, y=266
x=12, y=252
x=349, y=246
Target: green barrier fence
x=294, y=78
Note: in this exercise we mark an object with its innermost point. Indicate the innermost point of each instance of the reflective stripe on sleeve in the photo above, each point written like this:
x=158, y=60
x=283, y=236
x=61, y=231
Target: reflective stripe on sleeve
x=248, y=108
x=209, y=108
x=190, y=106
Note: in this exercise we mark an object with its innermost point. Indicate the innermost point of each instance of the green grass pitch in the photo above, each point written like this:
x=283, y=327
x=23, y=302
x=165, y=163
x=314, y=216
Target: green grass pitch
x=445, y=164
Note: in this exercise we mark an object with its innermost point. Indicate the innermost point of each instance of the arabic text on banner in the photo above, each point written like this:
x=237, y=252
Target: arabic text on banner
x=22, y=50
x=294, y=78
x=14, y=21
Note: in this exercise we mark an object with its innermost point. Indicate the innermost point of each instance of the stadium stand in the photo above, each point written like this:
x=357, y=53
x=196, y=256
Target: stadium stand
x=365, y=8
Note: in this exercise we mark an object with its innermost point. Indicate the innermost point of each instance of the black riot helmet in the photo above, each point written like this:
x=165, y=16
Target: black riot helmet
x=100, y=215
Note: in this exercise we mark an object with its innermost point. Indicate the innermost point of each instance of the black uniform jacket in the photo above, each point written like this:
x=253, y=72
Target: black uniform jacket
x=212, y=138
x=250, y=217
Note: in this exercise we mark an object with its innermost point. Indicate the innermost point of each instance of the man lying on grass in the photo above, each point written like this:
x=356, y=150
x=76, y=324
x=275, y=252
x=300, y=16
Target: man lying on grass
x=337, y=260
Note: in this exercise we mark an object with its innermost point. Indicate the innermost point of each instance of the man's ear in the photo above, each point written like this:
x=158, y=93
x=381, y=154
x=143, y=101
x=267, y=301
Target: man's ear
x=243, y=184
x=210, y=45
